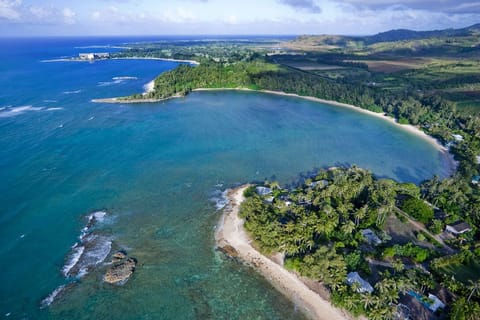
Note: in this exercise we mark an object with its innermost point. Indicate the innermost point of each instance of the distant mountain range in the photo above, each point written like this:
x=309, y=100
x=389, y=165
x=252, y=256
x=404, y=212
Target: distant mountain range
x=405, y=34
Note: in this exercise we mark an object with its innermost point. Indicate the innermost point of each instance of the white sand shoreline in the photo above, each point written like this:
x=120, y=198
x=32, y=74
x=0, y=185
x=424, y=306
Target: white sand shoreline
x=230, y=232
x=149, y=87
x=452, y=164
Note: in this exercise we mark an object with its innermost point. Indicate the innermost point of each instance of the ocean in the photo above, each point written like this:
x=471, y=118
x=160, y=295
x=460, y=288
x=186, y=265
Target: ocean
x=153, y=176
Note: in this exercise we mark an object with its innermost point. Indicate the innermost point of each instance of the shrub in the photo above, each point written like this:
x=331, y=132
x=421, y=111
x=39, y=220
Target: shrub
x=418, y=209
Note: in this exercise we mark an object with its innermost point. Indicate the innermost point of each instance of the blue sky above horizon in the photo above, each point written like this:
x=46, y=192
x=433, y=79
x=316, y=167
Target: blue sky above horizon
x=191, y=17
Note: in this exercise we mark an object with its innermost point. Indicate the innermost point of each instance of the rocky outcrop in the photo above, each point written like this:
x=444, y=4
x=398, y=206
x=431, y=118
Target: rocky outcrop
x=121, y=269
x=228, y=250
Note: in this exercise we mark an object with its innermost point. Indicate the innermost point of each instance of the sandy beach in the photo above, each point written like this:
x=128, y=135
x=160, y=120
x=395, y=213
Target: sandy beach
x=231, y=234
x=149, y=87
x=406, y=127
x=452, y=164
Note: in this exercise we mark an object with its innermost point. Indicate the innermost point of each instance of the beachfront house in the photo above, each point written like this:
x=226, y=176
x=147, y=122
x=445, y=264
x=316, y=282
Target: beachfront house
x=457, y=137
x=362, y=285
x=371, y=237
x=458, y=227
x=263, y=191
x=476, y=180
x=435, y=303
x=321, y=183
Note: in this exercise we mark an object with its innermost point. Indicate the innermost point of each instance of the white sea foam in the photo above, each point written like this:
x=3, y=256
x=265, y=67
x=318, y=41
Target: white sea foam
x=50, y=101
x=98, y=249
x=220, y=199
x=54, y=109
x=15, y=111
x=99, y=216
x=116, y=80
x=72, y=92
x=74, y=258
x=82, y=272
x=51, y=297
x=91, y=118
x=124, y=78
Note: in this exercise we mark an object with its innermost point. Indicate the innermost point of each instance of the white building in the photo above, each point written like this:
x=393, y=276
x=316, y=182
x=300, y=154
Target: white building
x=458, y=227
x=363, y=285
x=263, y=191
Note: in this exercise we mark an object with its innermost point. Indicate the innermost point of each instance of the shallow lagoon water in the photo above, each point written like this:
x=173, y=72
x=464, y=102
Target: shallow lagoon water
x=155, y=169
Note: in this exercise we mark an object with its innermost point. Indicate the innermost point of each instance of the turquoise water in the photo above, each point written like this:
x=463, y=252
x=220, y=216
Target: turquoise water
x=157, y=169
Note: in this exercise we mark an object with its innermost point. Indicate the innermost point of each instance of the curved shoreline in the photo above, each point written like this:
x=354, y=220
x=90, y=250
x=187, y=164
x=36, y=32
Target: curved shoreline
x=231, y=234
x=450, y=161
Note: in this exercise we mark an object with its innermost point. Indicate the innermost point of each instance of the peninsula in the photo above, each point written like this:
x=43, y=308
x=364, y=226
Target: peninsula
x=416, y=83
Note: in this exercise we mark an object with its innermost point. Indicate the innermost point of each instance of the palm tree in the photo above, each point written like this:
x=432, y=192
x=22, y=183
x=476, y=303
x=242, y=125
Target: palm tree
x=368, y=301
x=474, y=287
x=398, y=265
x=348, y=227
x=360, y=214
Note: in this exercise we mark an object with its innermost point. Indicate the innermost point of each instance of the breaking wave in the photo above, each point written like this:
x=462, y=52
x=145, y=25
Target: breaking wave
x=91, y=250
x=219, y=197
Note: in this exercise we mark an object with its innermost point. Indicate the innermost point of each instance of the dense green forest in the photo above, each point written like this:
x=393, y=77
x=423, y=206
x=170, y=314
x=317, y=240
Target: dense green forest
x=320, y=226
x=429, y=80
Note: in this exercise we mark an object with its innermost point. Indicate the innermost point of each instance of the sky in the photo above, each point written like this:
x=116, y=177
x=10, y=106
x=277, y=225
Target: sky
x=239, y=17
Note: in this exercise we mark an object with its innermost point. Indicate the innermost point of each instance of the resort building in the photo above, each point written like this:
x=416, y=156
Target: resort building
x=86, y=56
x=363, y=285
x=458, y=227
x=94, y=56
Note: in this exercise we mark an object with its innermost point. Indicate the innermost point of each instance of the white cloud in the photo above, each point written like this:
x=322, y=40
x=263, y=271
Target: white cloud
x=69, y=16
x=96, y=15
x=232, y=19
x=40, y=13
x=179, y=15
x=9, y=9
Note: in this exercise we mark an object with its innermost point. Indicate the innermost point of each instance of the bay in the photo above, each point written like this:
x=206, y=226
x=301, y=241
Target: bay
x=158, y=170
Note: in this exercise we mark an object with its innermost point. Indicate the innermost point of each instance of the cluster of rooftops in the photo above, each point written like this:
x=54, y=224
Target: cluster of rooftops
x=353, y=278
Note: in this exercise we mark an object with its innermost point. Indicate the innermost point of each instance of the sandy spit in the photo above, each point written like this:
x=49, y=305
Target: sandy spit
x=230, y=232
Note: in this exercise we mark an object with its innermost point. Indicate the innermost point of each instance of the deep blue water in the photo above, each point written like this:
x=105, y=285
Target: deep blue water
x=156, y=170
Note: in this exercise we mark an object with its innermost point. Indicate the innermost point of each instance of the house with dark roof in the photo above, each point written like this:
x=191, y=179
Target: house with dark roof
x=458, y=227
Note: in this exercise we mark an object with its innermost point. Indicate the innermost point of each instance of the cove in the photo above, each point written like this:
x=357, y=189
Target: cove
x=157, y=170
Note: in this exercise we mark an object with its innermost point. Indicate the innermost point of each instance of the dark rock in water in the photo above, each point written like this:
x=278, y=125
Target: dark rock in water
x=229, y=250
x=121, y=270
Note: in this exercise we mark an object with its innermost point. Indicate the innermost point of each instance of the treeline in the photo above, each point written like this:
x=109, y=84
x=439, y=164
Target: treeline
x=320, y=227
x=435, y=115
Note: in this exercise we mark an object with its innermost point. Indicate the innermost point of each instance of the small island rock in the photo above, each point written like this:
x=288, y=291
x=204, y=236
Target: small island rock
x=121, y=269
